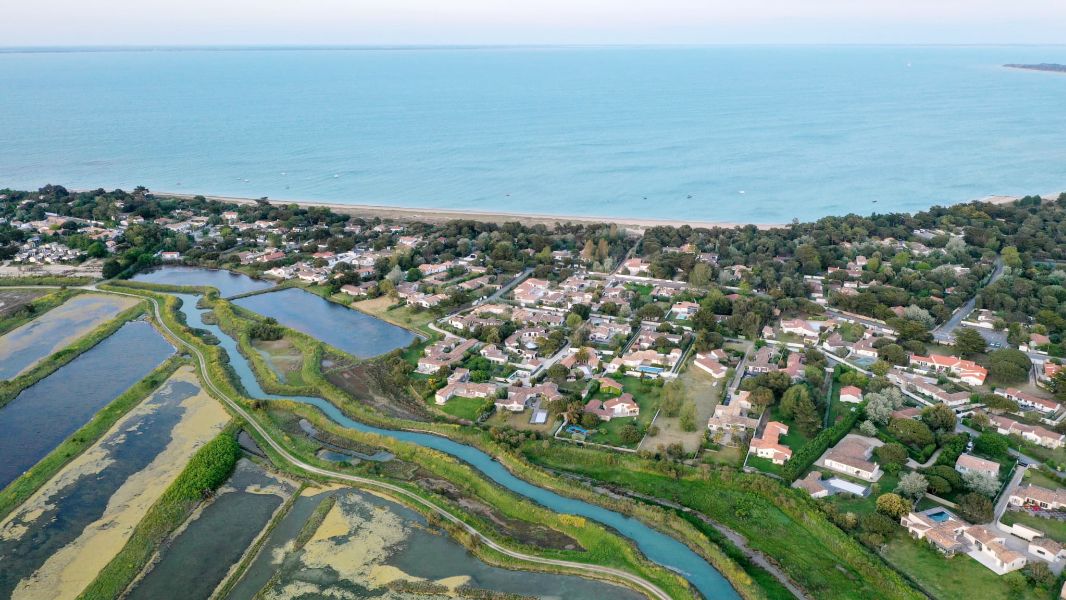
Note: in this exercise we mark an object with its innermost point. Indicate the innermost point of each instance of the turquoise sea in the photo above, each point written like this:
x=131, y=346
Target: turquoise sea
x=754, y=134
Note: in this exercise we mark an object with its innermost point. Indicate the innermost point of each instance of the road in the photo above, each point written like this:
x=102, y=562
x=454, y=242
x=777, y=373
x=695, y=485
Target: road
x=595, y=570
x=945, y=334
x=509, y=286
x=1004, y=498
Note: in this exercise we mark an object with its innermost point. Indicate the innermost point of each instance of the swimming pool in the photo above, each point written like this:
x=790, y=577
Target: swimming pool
x=940, y=516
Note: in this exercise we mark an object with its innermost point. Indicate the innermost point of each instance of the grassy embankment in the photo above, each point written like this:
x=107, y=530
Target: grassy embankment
x=53, y=280
x=11, y=388
x=603, y=547
x=207, y=470
x=35, y=309
x=777, y=521
x=19, y=490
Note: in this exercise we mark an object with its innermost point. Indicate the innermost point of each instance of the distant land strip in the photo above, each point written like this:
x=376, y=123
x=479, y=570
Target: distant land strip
x=1050, y=67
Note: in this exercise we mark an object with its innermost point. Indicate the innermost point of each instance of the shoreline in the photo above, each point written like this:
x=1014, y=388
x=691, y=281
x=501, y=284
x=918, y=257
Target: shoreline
x=440, y=215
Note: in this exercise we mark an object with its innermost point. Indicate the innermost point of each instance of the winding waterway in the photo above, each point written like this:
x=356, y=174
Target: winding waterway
x=657, y=546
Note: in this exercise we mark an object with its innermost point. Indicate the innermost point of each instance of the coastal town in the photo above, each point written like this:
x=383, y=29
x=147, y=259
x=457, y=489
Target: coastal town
x=901, y=377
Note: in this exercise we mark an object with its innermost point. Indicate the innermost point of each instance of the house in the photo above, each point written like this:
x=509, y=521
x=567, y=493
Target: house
x=968, y=463
x=518, y=398
x=812, y=484
x=989, y=549
x=493, y=354
x=763, y=361
x=731, y=417
x=1030, y=433
x=443, y=354
x=911, y=412
x=1046, y=548
x=799, y=327
x=464, y=389
x=1029, y=401
x=622, y=406
x=834, y=343
x=851, y=456
x=767, y=445
x=684, y=310
x=610, y=386
x=1034, y=496
x=1049, y=371
x=966, y=370
x=170, y=256
x=636, y=266
x=864, y=348
x=712, y=367
x=938, y=527
x=588, y=366
x=850, y=394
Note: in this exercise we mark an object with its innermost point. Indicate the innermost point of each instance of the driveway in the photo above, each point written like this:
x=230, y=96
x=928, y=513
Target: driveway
x=945, y=334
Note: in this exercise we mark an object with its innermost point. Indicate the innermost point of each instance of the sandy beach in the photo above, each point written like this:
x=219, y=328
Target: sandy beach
x=439, y=215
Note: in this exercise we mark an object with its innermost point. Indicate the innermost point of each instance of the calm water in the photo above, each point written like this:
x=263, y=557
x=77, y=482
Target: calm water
x=227, y=282
x=38, y=339
x=356, y=333
x=425, y=552
x=657, y=546
x=803, y=131
x=196, y=561
x=44, y=414
x=84, y=499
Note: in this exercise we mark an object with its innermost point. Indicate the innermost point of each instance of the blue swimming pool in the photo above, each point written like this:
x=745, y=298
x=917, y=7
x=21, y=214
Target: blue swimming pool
x=940, y=516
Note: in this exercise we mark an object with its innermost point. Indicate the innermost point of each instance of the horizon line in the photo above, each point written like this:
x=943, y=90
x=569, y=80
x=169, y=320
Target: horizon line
x=224, y=47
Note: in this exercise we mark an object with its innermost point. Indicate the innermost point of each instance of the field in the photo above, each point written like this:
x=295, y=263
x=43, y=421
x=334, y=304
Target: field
x=702, y=390
x=13, y=299
x=465, y=408
x=404, y=316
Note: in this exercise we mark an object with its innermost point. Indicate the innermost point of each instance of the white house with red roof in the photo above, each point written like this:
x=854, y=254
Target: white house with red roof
x=966, y=370
x=851, y=394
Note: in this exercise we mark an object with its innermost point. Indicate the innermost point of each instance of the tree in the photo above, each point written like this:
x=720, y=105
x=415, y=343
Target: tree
x=630, y=433
x=1009, y=366
x=991, y=444
x=877, y=523
x=1011, y=257
x=687, y=418
x=975, y=508
x=557, y=372
x=912, y=485
x=868, y=428
x=1039, y=574
x=671, y=397
x=413, y=274
x=881, y=405
x=573, y=320
x=939, y=417
x=700, y=275
x=969, y=342
x=589, y=420
x=892, y=505
x=891, y=454
x=981, y=483
x=791, y=398
x=938, y=485
x=911, y=432
x=880, y=368
x=893, y=354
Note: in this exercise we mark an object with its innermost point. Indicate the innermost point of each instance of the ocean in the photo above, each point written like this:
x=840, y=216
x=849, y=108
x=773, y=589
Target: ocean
x=735, y=134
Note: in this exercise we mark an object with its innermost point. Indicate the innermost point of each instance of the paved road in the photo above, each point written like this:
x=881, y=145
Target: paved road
x=646, y=586
x=945, y=334
x=1001, y=504
x=509, y=285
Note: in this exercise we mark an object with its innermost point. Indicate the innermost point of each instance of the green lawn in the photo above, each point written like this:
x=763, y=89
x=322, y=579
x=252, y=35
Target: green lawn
x=726, y=455
x=1036, y=477
x=465, y=408
x=949, y=578
x=764, y=464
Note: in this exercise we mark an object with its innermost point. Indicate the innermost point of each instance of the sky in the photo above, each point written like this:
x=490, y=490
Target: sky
x=442, y=22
